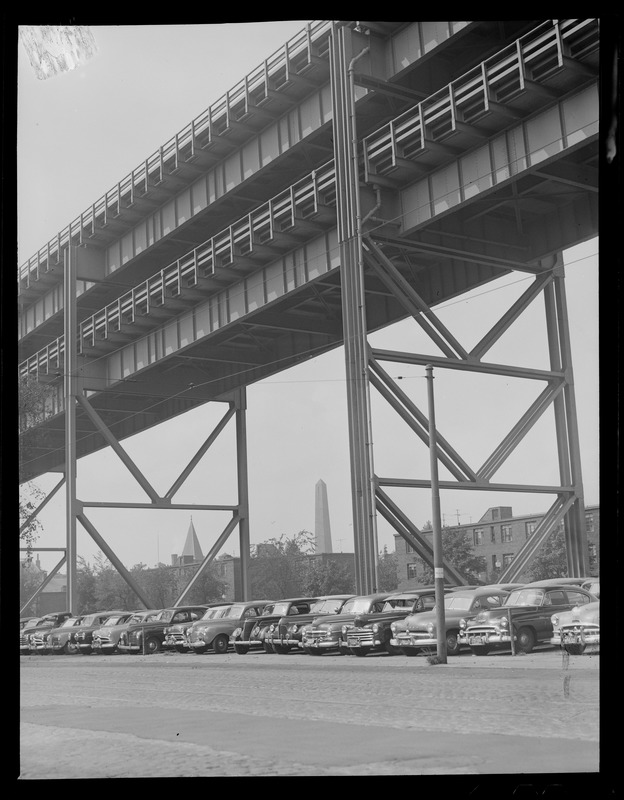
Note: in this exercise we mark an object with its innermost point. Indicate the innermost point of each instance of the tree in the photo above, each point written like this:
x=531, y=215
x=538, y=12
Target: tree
x=111, y=590
x=457, y=549
x=387, y=579
x=551, y=560
x=207, y=588
x=86, y=591
x=328, y=577
x=276, y=569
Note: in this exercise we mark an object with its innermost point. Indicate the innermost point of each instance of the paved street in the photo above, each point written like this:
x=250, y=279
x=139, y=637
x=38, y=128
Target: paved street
x=183, y=715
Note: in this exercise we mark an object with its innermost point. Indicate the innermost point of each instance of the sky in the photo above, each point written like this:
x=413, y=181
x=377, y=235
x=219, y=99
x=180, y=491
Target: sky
x=79, y=133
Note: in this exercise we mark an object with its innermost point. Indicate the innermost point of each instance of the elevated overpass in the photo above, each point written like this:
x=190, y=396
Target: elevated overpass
x=364, y=173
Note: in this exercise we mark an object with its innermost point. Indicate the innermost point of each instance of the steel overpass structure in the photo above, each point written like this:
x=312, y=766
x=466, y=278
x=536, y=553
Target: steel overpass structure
x=363, y=174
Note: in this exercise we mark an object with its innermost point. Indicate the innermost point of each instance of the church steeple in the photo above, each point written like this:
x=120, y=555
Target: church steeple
x=191, y=552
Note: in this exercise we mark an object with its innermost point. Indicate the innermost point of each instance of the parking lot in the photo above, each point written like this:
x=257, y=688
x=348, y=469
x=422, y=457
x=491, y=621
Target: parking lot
x=183, y=715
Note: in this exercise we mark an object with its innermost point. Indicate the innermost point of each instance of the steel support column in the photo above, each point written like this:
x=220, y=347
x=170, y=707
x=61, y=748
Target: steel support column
x=342, y=60
x=70, y=390
x=566, y=424
x=240, y=403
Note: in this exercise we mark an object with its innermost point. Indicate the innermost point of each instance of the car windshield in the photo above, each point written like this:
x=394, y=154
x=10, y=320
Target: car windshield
x=526, y=597
x=235, y=611
x=69, y=623
x=222, y=611
x=91, y=620
x=398, y=602
x=326, y=606
x=458, y=601
x=115, y=619
x=357, y=605
x=280, y=608
x=165, y=615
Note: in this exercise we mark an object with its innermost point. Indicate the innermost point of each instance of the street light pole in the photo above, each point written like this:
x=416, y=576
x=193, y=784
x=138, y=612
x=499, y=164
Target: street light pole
x=438, y=569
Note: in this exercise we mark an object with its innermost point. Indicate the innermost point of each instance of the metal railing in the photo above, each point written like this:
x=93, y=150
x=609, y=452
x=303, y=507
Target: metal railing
x=551, y=47
x=299, y=53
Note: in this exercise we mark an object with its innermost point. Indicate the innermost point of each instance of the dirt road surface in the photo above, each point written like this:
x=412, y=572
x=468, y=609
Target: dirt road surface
x=183, y=715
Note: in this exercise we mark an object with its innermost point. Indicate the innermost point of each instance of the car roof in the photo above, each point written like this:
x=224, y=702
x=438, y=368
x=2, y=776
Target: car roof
x=555, y=585
x=558, y=582
x=335, y=597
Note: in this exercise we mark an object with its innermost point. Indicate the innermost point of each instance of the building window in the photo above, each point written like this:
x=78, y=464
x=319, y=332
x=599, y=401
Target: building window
x=492, y=534
x=530, y=528
x=478, y=536
x=507, y=559
x=412, y=571
x=589, y=523
x=506, y=533
x=495, y=563
x=593, y=551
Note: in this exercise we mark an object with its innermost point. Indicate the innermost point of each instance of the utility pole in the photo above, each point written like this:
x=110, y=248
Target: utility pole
x=438, y=569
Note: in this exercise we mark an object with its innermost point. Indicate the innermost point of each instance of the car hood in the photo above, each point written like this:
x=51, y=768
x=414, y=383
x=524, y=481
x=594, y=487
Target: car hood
x=366, y=619
x=335, y=619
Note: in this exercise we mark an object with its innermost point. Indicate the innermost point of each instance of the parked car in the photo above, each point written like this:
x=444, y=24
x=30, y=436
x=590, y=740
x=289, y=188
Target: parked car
x=525, y=615
x=371, y=632
x=175, y=635
x=285, y=634
x=592, y=585
x=559, y=581
x=148, y=636
x=48, y=621
x=28, y=622
x=324, y=635
x=418, y=632
x=106, y=638
x=214, y=633
x=83, y=637
x=64, y=640
x=577, y=629
x=252, y=633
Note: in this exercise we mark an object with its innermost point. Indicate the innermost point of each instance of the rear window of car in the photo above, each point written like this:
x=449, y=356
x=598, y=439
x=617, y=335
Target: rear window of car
x=578, y=598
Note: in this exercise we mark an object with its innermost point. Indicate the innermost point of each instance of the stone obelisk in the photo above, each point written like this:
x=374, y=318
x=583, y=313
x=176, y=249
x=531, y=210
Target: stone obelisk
x=322, y=530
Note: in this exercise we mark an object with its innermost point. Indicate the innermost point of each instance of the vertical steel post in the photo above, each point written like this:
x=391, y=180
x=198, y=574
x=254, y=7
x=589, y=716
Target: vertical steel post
x=353, y=309
x=69, y=300
x=243, y=488
x=438, y=567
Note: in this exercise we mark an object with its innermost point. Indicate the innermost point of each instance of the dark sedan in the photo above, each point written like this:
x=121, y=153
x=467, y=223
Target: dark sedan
x=524, y=619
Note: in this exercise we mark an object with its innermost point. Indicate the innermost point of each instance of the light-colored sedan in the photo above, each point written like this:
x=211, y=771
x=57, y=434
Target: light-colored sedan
x=577, y=629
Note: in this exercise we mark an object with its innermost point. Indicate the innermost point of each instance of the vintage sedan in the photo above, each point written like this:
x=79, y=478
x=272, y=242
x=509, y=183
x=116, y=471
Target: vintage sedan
x=286, y=633
x=525, y=616
x=577, y=629
x=46, y=623
x=176, y=635
x=324, y=635
x=83, y=637
x=106, y=638
x=148, y=636
x=41, y=638
x=214, y=633
x=64, y=641
x=252, y=633
x=417, y=634
x=369, y=633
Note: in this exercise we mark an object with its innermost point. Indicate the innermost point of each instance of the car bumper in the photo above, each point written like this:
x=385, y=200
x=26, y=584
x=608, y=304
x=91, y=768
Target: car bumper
x=480, y=639
x=130, y=648
x=414, y=641
x=197, y=645
x=576, y=636
x=328, y=644
x=105, y=647
x=284, y=642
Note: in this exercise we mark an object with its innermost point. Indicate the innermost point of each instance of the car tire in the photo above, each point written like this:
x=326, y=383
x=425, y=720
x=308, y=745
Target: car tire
x=344, y=651
x=410, y=651
x=311, y=651
x=281, y=649
x=241, y=649
x=480, y=650
x=574, y=649
x=360, y=651
x=69, y=649
x=153, y=645
x=200, y=650
x=392, y=650
x=268, y=648
x=525, y=641
x=452, y=644
x=180, y=649
x=220, y=644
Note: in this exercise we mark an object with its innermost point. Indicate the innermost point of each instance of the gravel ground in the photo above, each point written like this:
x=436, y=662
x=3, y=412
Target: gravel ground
x=183, y=715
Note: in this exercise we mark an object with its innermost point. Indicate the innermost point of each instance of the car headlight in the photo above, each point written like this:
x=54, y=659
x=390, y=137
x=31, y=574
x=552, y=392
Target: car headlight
x=503, y=622
x=376, y=627
x=555, y=619
x=256, y=630
x=430, y=628
x=345, y=628
x=272, y=628
x=293, y=629
x=394, y=627
x=463, y=624
x=236, y=633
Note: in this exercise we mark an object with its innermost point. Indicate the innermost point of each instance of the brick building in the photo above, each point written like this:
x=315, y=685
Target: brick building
x=496, y=537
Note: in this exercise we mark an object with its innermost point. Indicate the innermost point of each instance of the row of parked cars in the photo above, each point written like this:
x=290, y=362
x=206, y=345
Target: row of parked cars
x=562, y=612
